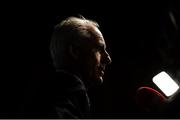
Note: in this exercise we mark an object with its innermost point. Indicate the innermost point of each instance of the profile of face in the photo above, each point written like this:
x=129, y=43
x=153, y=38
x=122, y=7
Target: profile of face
x=78, y=46
x=94, y=57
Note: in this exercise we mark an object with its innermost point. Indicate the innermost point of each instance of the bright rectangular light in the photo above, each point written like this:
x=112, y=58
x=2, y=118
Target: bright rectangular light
x=165, y=83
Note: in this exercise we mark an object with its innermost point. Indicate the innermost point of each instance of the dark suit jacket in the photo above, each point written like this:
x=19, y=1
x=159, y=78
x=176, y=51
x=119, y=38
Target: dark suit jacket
x=63, y=97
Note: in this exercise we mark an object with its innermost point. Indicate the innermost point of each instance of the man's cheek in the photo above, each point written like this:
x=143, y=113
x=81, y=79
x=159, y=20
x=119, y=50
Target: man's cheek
x=98, y=57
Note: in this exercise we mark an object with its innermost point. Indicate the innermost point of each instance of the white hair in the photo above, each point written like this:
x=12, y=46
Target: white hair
x=68, y=32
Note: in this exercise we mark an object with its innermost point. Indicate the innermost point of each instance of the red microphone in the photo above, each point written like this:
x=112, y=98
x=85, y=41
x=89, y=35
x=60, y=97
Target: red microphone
x=149, y=99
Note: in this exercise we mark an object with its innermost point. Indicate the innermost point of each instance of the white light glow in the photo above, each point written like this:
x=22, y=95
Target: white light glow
x=165, y=83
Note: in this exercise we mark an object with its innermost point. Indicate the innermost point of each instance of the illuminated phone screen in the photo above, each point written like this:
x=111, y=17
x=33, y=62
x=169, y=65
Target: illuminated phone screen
x=165, y=83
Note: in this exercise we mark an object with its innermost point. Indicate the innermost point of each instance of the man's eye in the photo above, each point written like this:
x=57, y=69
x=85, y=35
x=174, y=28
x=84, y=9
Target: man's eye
x=99, y=49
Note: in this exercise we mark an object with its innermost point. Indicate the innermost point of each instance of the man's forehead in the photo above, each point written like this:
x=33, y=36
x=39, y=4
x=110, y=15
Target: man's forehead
x=98, y=32
x=95, y=38
x=98, y=36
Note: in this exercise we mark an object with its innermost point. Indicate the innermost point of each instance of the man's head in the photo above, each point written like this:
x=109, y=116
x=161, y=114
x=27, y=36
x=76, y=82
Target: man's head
x=78, y=46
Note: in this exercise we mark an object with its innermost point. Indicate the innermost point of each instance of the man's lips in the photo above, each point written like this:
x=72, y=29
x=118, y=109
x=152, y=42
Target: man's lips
x=101, y=70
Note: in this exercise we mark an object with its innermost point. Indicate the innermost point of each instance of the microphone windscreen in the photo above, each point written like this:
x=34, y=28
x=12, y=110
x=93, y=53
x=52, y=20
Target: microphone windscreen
x=149, y=98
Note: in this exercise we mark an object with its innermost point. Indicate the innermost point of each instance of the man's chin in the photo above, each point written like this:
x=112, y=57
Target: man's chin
x=95, y=82
x=98, y=81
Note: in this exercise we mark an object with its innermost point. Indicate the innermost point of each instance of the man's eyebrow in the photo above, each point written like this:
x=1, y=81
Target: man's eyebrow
x=101, y=45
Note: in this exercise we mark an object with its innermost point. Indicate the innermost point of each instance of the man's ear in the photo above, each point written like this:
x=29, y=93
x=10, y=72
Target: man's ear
x=74, y=52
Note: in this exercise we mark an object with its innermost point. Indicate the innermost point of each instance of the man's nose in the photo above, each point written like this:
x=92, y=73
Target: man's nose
x=107, y=59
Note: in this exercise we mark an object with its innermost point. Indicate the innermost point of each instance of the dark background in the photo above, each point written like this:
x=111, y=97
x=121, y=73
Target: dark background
x=133, y=33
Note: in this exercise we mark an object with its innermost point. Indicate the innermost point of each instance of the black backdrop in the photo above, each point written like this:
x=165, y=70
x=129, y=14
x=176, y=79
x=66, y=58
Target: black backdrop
x=132, y=32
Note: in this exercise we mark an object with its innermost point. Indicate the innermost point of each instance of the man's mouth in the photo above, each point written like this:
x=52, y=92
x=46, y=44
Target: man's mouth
x=101, y=70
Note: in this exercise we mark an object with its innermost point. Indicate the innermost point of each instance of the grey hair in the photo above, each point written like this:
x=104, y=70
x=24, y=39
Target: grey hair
x=68, y=32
